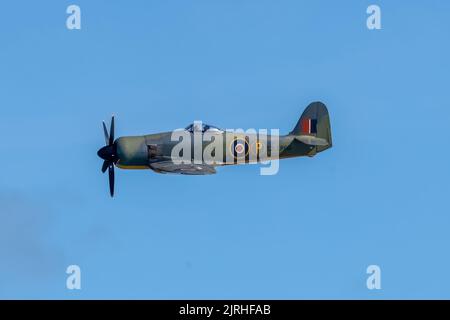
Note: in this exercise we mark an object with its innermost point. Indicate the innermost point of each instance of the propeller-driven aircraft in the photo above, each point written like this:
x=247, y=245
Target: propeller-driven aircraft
x=311, y=135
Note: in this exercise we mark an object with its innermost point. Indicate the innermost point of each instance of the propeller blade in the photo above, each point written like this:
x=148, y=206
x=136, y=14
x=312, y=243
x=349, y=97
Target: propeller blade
x=111, y=132
x=107, y=153
x=111, y=179
x=105, y=131
x=105, y=166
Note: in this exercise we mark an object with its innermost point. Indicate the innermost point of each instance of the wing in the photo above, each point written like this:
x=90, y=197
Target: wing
x=188, y=169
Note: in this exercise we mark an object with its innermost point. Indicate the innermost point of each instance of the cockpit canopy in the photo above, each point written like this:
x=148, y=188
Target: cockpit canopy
x=202, y=127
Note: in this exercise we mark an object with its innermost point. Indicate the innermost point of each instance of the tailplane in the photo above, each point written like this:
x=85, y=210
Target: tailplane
x=313, y=127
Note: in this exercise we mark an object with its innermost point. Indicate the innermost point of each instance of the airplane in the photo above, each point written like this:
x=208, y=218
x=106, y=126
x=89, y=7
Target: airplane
x=311, y=135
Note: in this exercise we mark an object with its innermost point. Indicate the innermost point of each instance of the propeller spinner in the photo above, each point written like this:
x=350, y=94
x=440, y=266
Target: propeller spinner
x=109, y=155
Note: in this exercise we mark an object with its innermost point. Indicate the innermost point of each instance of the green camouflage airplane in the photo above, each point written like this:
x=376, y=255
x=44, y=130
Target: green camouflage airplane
x=162, y=153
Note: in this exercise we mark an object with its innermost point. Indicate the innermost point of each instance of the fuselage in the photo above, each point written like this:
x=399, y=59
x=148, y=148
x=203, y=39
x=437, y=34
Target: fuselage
x=138, y=152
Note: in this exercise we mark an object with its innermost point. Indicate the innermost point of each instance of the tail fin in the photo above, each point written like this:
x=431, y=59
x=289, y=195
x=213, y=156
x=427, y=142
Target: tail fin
x=313, y=127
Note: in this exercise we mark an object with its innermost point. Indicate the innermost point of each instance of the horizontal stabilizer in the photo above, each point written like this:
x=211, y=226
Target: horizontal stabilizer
x=312, y=140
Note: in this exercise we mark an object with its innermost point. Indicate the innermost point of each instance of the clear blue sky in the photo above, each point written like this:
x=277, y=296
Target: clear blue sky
x=379, y=196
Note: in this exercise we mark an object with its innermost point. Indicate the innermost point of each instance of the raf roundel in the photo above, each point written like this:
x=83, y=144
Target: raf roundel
x=239, y=147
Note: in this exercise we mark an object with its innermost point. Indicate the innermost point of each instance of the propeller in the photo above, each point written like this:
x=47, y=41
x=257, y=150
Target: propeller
x=109, y=155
